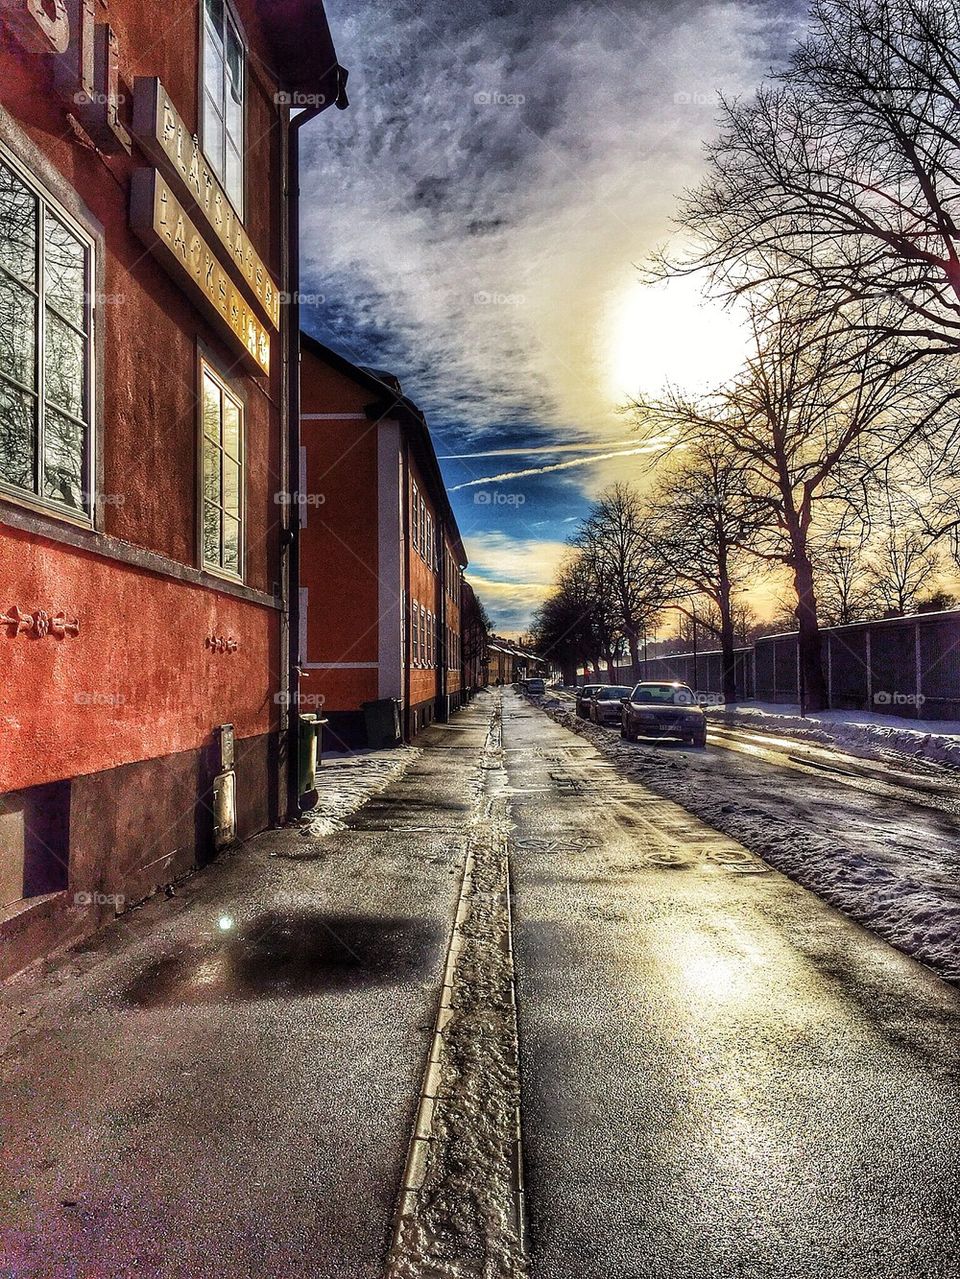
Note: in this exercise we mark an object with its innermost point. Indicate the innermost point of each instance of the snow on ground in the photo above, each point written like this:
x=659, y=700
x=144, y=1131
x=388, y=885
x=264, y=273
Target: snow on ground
x=862, y=733
x=893, y=867
x=346, y=780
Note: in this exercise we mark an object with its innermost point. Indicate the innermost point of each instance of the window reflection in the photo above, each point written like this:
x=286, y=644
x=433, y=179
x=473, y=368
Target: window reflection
x=221, y=532
x=44, y=405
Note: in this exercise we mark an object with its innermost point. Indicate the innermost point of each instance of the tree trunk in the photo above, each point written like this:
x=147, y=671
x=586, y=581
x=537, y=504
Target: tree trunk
x=813, y=686
x=634, y=645
x=728, y=643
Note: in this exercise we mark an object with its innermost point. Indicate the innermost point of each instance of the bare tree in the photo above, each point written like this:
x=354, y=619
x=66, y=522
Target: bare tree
x=841, y=174
x=573, y=625
x=617, y=542
x=901, y=568
x=815, y=408
x=707, y=521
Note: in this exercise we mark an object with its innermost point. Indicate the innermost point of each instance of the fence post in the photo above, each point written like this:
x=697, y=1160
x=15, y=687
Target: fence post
x=918, y=669
x=868, y=656
x=829, y=671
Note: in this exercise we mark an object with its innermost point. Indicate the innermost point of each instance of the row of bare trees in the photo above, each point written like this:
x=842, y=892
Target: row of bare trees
x=828, y=219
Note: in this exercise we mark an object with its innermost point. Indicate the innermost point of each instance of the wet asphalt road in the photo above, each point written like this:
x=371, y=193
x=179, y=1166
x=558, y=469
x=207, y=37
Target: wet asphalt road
x=187, y=1102
x=721, y=1075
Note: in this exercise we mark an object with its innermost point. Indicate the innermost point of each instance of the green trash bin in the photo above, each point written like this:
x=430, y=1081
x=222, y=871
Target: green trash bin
x=311, y=730
x=382, y=720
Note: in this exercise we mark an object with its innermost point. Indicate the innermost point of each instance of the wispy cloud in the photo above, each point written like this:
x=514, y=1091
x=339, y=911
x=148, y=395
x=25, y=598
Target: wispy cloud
x=590, y=460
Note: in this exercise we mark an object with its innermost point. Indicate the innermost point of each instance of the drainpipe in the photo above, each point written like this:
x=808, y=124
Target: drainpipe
x=291, y=530
x=407, y=602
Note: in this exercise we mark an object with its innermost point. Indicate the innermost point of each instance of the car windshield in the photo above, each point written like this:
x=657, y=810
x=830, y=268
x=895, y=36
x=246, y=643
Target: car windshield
x=588, y=690
x=664, y=694
x=612, y=694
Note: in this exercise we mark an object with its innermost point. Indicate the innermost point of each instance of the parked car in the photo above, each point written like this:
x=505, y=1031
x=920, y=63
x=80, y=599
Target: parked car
x=583, y=699
x=536, y=685
x=605, y=705
x=663, y=710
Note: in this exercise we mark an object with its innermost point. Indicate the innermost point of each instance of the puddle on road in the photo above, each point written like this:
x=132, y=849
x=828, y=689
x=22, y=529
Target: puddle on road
x=280, y=955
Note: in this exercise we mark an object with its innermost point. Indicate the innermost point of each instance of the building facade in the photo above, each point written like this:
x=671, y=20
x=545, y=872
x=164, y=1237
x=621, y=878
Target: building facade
x=144, y=267
x=381, y=557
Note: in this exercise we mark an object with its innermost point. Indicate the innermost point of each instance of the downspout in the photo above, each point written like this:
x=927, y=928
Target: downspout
x=291, y=530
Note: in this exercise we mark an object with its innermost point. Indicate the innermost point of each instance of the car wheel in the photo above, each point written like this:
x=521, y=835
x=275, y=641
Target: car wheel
x=700, y=740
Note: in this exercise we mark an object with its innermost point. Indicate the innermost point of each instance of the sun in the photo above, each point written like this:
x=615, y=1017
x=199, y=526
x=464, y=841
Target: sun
x=669, y=334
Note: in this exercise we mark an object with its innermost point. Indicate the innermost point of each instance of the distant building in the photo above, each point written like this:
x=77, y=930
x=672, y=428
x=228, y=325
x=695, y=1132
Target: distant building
x=509, y=663
x=381, y=557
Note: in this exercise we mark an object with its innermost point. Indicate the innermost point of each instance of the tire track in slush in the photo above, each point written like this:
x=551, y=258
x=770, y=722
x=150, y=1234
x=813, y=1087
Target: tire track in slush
x=460, y=1212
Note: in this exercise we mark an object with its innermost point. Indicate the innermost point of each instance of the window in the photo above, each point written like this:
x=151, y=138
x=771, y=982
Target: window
x=222, y=448
x=415, y=520
x=223, y=94
x=46, y=348
x=415, y=633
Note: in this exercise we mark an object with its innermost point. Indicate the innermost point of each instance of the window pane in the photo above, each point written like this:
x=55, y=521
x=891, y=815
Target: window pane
x=211, y=472
x=63, y=366
x=18, y=323
x=211, y=409
x=233, y=177
x=212, y=136
x=64, y=446
x=64, y=265
x=211, y=535
x=231, y=427
x=214, y=10
x=231, y=544
x=17, y=437
x=18, y=228
x=231, y=486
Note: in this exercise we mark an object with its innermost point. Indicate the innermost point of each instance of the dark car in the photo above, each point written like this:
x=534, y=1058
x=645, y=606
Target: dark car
x=535, y=685
x=583, y=699
x=604, y=705
x=663, y=710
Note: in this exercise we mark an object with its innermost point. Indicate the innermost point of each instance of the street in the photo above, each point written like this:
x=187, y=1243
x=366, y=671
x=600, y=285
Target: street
x=719, y=1074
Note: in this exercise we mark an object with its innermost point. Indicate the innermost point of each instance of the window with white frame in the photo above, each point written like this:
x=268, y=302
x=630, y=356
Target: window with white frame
x=46, y=349
x=222, y=464
x=415, y=517
x=224, y=89
x=415, y=633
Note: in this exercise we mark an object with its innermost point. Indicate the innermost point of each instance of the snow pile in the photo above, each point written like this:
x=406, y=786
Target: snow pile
x=862, y=733
x=346, y=781
x=913, y=903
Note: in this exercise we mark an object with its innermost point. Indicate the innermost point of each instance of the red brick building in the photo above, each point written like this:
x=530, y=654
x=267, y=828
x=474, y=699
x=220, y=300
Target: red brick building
x=381, y=555
x=144, y=262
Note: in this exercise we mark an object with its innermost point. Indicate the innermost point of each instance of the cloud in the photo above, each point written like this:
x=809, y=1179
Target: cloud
x=512, y=575
x=475, y=221
x=481, y=208
x=590, y=460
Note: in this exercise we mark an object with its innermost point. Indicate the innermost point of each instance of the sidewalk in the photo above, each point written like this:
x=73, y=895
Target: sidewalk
x=224, y=1082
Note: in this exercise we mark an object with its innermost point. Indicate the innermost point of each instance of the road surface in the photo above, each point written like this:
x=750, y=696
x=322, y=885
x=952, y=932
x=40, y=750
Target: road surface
x=720, y=1075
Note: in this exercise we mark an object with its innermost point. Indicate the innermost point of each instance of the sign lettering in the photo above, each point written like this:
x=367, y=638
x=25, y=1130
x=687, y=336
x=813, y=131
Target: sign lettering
x=163, y=224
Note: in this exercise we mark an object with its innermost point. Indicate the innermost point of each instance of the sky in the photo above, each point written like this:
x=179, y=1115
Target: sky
x=475, y=223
